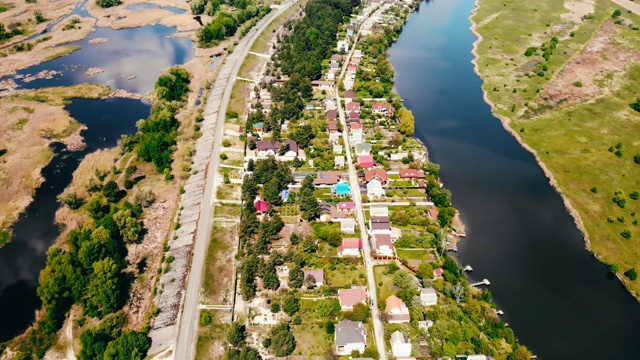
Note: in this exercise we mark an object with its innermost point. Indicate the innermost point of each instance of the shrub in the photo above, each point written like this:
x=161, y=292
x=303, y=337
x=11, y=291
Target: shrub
x=107, y=3
x=577, y=84
x=223, y=156
x=626, y=233
x=530, y=51
x=634, y=195
x=226, y=143
x=631, y=274
x=594, y=190
x=616, y=13
x=205, y=318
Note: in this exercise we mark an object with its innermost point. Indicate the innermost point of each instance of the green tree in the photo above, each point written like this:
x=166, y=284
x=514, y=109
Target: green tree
x=237, y=335
x=111, y=191
x=407, y=122
x=282, y=340
x=631, y=274
x=270, y=279
x=103, y=289
x=291, y=305
x=328, y=308
x=296, y=277
x=107, y=3
x=360, y=312
x=93, y=344
x=130, y=228
x=520, y=353
x=131, y=345
x=425, y=271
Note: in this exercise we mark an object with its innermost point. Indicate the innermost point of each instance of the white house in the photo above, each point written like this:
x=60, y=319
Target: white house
x=264, y=149
x=350, y=336
x=374, y=189
x=343, y=45
x=350, y=247
x=363, y=149
x=378, y=210
x=383, y=245
x=380, y=225
x=355, y=136
x=428, y=297
x=397, y=311
x=400, y=345
x=318, y=275
x=348, y=226
x=338, y=162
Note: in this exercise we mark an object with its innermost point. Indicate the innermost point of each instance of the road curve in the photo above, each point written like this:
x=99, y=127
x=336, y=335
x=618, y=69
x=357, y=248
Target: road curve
x=216, y=109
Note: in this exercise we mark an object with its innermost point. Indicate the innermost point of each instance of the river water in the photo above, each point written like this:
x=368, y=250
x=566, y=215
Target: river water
x=133, y=59
x=557, y=297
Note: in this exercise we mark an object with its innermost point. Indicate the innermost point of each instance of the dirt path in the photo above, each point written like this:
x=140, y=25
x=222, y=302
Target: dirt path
x=71, y=355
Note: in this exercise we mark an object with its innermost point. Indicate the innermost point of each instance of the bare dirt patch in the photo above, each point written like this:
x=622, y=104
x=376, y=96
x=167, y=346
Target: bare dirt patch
x=579, y=80
x=578, y=9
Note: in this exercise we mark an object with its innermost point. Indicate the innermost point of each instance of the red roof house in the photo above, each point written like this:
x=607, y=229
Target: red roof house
x=332, y=115
x=350, y=247
x=332, y=126
x=433, y=213
x=261, y=206
x=378, y=174
x=437, y=273
x=366, y=161
x=353, y=106
x=411, y=174
x=348, y=95
x=355, y=125
x=351, y=297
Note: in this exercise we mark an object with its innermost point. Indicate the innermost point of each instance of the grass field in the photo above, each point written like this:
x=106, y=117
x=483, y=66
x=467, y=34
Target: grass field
x=573, y=141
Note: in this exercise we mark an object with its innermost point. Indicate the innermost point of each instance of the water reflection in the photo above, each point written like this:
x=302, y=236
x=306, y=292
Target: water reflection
x=139, y=7
x=132, y=59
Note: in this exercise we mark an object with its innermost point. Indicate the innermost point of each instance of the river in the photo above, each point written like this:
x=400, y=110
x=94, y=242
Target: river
x=132, y=59
x=558, y=299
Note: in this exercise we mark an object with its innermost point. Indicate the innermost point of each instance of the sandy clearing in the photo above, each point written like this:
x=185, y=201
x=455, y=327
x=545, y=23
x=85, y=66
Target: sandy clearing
x=578, y=9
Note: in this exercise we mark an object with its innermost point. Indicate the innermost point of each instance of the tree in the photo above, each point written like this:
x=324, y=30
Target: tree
x=330, y=328
x=271, y=191
x=459, y=292
x=129, y=226
x=131, y=345
x=103, y=289
x=310, y=282
x=631, y=274
x=270, y=279
x=100, y=246
x=237, y=335
x=291, y=305
x=309, y=245
x=520, y=353
x=93, y=344
x=293, y=239
x=360, y=312
x=282, y=340
x=296, y=277
x=111, y=191
x=407, y=122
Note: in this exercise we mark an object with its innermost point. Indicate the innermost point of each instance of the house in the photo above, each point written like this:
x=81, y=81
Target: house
x=350, y=336
x=335, y=59
x=338, y=162
x=355, y=135
x=353, y=107
x=324, y=85
x=374, y=189
x=380, y=225
x=428, y=297
x=383, y=245
x=381, y=108
x=286, y=151
x=258, y=128
x=376, y=174
x=330, y=76
x=351, y=29
x=351, y=69
x=355, y=126
x=337, y=215
x=325, y=211
x=411, y=174
x=346, y=206
x=397, y=311
x=425, y=325
x=354, y=117
x=332, y=126
x=318, y=275
x=350, y=247
x=341, y=189
x=350, y=297
x=332, y=114
x=261, y=206
x=348, y=226
x=329, y=104
x=343, y=46
x=378, y=210
x=348, y=97
x=400, y=345
x=327, y=178
x=433, y=213
x=366, y=161
x=363, y=149
x=337, y=149
x=437, y=273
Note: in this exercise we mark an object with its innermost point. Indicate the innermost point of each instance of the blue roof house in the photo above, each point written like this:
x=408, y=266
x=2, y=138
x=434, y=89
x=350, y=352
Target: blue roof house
x=341, y=189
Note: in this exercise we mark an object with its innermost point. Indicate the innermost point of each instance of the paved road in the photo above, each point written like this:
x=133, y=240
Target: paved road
x=629, y=5
x=400, y=203
x=217, y=108
x=378, y=331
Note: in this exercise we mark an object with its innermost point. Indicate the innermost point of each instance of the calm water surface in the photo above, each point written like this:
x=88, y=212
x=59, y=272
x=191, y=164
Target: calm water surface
x=558, y=299
x=133, y=59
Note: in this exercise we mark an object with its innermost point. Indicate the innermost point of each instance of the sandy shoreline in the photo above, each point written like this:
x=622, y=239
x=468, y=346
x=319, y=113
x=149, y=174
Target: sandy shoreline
x=552, y=181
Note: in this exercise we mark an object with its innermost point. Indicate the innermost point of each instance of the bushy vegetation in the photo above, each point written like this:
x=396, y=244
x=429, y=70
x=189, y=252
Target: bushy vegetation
x=225, y=24
x=108, y=3
x=13, y=30
x=157, y=134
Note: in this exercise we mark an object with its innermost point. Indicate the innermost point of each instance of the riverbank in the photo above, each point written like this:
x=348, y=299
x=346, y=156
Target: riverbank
x=600, y=221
